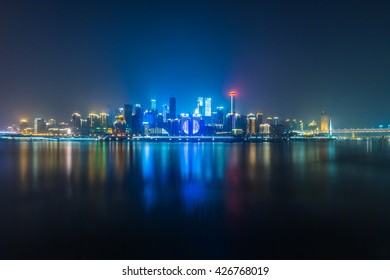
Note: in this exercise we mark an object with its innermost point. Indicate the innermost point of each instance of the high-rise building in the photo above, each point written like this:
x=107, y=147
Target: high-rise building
x=39, y=125
x=232, y=95
x=104, y=120
x=84, y=124
x=264, y=128
x=160, y=120
x=120, y=125
x=165, y=113
x=251, y=124
x=172, y=108
x=128, y=114
x=207, y=106
x=259, y=121
x=137, y=120
x=93, y=120
x=111, y=115
x=220, y=116
x=23, y=125
x=200, y=106
x=173, y=126
x=76, y=123
x=324, y=126
x=150, y=117
x=153, y=105
x=234, y=122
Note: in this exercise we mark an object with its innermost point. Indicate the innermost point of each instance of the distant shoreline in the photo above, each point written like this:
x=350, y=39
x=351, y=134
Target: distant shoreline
x=167, y=139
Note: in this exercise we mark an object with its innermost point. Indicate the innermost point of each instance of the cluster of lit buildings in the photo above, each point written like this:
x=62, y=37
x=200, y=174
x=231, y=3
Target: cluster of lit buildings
x=135, y=120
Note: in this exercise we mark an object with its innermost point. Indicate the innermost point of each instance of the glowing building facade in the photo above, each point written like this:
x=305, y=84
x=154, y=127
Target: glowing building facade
x=23, y=125
x=251, y=124
x=200, y=106
x=76, y=123
x=232, y=95
x=324, y=126
x=93, y=120
x=103, y=120
x=128, y=113
x=153, y=105
x=207, y=107
x=39, y=125
x=120, y=125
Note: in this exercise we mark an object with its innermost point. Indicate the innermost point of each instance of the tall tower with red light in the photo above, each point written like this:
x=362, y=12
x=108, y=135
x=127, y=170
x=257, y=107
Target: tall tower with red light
x=232, y=95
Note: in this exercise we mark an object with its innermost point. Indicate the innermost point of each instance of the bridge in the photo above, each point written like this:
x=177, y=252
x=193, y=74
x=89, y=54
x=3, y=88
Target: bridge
x=7, y=132
x=361, y=130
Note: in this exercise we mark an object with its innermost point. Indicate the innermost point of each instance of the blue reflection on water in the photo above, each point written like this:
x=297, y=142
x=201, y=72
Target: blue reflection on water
x=246, y=200
x=194, y=195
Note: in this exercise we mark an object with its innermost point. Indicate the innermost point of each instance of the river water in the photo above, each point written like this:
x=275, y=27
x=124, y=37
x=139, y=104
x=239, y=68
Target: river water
x=71, y=200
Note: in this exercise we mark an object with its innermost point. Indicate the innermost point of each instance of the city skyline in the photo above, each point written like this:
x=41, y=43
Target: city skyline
x=286, y=60
x=203, y=110
x=161, y=107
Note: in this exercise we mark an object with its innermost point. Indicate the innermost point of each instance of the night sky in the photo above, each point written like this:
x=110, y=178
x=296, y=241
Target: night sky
x=286, y=58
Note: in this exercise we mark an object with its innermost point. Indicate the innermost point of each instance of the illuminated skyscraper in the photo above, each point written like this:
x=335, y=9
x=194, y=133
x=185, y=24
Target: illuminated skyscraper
x=160, y=120
x=200, y=106
x=104, y=120
x=251, y=124
x=172, y=108
x=207, y=107
x=232, y=95
x=128, y=113
x=234, y=122
x=220, y=116
x=39, y=125
x=137, y=120
x=84, y=124
x=259, y=121
x=153, y=105
x=23, y=124
x=150, y=117
x=93, y=120
x=76, y=123
x=324, y=127
x=165, y=113
x=120, y=125
x=264, y=128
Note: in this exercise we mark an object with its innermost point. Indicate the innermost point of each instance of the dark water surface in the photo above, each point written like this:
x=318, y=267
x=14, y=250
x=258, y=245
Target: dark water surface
x=71, y=200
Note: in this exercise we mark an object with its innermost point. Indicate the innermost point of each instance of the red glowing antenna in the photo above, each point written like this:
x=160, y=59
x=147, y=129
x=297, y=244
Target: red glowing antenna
x=232, y=95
